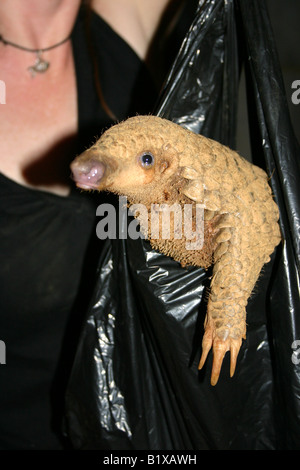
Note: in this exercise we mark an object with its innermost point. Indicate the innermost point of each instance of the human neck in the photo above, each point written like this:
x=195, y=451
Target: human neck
x=37, y=24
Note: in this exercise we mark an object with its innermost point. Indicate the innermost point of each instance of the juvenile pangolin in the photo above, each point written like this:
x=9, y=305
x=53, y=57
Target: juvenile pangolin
x=151, y=160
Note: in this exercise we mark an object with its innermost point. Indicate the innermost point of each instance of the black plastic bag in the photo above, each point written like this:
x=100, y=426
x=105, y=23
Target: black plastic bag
x=135, y=383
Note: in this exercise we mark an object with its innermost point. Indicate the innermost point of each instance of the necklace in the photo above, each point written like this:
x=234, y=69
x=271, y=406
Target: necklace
x=40, y=65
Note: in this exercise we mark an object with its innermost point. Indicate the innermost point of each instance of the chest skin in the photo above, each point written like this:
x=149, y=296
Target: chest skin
x=38, y=121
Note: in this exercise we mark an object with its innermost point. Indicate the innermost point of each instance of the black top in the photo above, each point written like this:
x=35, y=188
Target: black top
x=44, y=240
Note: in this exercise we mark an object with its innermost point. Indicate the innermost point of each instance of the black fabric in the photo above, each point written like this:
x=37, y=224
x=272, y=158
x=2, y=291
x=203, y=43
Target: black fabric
x=135, y=383
x=46, y=243
x=43, y=241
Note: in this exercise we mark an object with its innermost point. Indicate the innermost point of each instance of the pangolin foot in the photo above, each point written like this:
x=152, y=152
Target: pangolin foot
x=219, y=347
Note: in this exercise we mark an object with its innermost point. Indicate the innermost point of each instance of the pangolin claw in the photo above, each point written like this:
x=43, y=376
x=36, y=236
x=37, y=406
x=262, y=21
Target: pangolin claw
x=219, y=347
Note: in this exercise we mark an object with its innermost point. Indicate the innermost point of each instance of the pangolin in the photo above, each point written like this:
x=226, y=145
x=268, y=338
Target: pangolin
x=153, y=161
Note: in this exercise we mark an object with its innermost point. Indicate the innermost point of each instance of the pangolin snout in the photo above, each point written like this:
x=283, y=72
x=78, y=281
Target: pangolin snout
x=87, y=174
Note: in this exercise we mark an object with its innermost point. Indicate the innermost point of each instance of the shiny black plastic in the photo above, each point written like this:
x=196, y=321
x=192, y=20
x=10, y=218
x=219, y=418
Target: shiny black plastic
x=135, y=383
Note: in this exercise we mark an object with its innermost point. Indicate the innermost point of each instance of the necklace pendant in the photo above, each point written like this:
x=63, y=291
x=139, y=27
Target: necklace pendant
x=40, y=65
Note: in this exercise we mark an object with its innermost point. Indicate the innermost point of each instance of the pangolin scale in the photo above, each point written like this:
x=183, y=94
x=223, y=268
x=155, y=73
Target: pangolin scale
x=153, y=161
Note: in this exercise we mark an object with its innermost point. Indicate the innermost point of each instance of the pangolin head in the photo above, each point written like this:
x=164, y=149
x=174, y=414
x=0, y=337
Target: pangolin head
x=136, y=158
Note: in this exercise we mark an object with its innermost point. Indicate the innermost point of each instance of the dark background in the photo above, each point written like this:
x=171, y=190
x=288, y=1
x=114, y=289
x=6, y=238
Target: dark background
x=285, y=19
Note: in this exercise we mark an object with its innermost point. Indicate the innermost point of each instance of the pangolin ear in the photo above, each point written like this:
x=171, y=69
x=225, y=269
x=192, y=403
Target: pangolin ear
x=163, y=166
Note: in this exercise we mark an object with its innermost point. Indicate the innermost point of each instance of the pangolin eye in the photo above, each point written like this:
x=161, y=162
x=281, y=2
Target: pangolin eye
x=147, y=160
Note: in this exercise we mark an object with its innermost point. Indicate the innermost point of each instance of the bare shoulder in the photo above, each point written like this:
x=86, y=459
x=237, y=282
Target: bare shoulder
x=134, y=20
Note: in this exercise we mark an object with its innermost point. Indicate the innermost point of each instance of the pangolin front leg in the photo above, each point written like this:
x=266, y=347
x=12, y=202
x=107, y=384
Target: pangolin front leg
x=244, y=230
x=225, y=322
x=242, y=248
